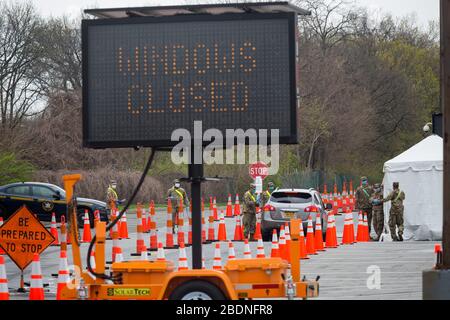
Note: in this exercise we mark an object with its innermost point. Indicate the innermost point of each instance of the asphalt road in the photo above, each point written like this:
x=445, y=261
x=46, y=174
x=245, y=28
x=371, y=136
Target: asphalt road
x=372, y=270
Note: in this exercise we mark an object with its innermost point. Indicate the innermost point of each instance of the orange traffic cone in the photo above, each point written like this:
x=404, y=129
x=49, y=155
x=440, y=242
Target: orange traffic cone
x=36, y=285
x=96, y=217
x=231, y=252
x=310, y=245
x=190, y=224
x=360, y=229
x=287, y=236
x=151, y=213
x=87, y=237
x=1, y=223
x=63, y=274
x=217, y=263
x=160, y=256
x=334, y=230
x=366, y=229
x=144, y=219
x=229, y=213
x=63, y=245
x=216, y=217
x=238, y=230
x=144, y=254
x=111, y=219
x=352, y=226
x=247, y=252
x=92, y=262
x=4, y=292
x=203, y=222
x=169, y=231
x=181, y=234
x=257, y=234
x=182, y=258
x=303, y=254
x=140, y=244
x=275, y=251
x=318, y=237
x=54, y=230
x=211, y=233
x=123, y=231
x=346, y=236
x=282, y=243
x=222, y=231
x=153, y=234
x=119, y=255
x=237, y=207
x=116, y=242
x=260, y=249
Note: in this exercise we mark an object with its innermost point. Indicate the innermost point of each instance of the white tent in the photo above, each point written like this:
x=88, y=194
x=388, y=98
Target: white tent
x=419, y=171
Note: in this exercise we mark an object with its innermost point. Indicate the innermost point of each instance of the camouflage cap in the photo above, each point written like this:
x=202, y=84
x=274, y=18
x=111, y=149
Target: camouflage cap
x=176, y=181
x=363, y=178
x=271, y=184
x=377, y=185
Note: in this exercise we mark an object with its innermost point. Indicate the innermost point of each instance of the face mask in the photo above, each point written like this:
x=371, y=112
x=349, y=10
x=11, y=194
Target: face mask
x=364, y=183
x=113, y=186
x=177, y=185
x=377, y=190
x=271, y=189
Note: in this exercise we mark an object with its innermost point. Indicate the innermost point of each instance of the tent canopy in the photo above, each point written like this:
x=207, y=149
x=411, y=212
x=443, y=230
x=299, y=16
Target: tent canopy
x=419, y=170
x=424, y=156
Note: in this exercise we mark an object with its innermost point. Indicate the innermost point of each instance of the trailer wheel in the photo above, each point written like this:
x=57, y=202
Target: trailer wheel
x=197, y=290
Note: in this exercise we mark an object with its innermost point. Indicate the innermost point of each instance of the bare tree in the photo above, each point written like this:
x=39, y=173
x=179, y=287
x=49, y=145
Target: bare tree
x=20, y=68
x=62, y=54
x=331, y=21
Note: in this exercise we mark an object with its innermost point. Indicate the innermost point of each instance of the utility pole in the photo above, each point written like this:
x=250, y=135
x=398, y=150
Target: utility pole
x=436, y=281
x=445, y=103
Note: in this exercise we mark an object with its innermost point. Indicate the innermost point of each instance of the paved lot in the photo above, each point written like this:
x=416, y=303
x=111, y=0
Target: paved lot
x=344, y=271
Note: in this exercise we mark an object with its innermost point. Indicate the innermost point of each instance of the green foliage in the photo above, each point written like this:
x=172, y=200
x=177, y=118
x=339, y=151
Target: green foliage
x=13, y=169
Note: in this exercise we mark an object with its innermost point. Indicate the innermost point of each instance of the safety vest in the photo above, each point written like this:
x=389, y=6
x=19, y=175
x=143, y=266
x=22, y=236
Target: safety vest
x=251, y=195
x=113, y=191
x=398, y=195
x=179, y=193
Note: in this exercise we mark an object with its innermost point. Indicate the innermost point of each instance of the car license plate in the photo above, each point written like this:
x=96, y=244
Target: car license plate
x=288, y=215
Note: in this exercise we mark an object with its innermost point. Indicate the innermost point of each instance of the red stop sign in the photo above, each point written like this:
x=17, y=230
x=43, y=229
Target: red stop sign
x=258, y=169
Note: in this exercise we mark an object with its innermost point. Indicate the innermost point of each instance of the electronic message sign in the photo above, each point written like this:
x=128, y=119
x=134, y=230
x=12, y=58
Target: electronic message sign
x=144, y=77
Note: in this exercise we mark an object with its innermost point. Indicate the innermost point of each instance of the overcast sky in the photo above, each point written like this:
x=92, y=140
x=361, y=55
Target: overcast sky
x=424, y=10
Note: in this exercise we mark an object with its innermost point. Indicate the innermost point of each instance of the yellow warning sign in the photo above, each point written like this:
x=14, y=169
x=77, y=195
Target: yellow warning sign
x=23, y=235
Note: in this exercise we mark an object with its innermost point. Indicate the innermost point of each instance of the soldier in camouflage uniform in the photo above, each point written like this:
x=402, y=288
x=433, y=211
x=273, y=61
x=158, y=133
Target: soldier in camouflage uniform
x=265, y=196
x=377, y=210
x=363, y=194
x=177, y=194
x=396, y=213
x=249, y=212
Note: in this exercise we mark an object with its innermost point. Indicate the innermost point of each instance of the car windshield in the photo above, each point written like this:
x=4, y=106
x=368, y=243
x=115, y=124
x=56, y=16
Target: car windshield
x=291, y=197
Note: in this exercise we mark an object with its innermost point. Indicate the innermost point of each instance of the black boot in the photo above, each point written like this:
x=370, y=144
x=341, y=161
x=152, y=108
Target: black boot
x=394, y=238
x=400, y=238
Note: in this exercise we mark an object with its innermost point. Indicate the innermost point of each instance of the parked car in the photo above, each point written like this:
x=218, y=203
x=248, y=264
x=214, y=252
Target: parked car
x=44, y=198
x=285, y=204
